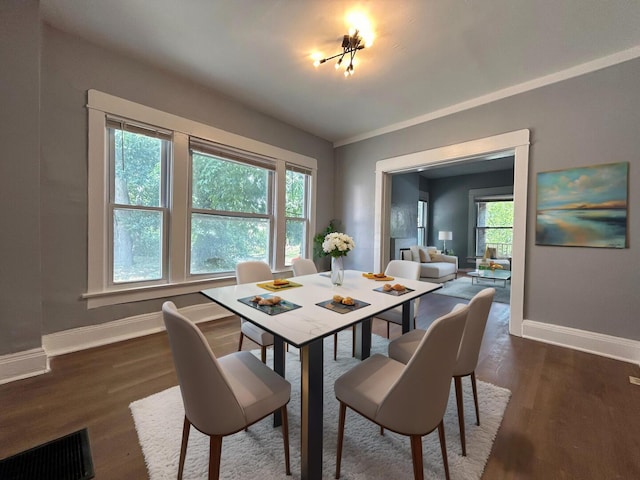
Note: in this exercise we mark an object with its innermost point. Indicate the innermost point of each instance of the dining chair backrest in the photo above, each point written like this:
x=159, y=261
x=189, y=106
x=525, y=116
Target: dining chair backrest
x=479, y=307
x=416, y=403
x=209, y=402
x=403, y=269
x=303, y=266
x=253, y=271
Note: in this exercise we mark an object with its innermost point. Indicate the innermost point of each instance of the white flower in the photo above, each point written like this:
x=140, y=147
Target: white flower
x=338, y=244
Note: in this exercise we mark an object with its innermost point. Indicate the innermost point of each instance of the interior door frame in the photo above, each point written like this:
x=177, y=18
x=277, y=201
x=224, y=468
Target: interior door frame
x=515, y=143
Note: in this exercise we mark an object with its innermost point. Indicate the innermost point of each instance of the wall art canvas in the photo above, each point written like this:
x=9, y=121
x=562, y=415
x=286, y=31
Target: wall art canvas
x=583, y=207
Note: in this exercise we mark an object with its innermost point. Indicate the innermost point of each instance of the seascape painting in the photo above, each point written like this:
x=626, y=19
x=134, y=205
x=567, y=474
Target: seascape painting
x=583, y=207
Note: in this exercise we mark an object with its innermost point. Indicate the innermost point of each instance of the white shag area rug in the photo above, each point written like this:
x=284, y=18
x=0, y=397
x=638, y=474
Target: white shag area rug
x=258, y=453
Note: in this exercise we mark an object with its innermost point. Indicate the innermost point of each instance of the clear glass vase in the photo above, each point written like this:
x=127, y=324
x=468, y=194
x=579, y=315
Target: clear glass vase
x=337, y=270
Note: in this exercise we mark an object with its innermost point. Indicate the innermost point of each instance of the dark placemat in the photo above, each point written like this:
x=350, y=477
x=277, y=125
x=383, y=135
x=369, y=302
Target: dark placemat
x=395, y=293
x=341, y=308
x=283, y=306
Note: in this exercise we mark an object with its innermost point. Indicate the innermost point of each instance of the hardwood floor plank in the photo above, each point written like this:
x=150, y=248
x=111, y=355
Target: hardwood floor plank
x=571, y=415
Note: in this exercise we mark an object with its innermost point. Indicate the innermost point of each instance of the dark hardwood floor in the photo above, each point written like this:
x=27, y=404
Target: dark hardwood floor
x=572, y=415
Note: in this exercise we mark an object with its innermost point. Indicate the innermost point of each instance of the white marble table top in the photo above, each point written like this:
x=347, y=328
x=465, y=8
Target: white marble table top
x=303, y=325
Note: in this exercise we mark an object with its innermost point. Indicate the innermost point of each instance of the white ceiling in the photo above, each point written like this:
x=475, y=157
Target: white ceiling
x=428, y=56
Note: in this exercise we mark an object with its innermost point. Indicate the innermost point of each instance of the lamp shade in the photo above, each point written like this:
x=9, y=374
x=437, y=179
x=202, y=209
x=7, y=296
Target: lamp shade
x=443, y=235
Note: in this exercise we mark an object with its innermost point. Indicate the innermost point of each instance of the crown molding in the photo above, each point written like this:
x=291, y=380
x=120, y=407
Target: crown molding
x=576, y=71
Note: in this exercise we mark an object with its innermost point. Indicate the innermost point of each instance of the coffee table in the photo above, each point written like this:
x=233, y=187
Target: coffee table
x=494, y=275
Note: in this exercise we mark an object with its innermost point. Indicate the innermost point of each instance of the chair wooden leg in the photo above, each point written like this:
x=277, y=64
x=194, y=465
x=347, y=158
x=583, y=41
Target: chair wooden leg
x=416, y=455
x=475, y=396
x=342, y=415
x=215, y=452
x=457, y=381
x=240, y=343
x=388, y=329
x=443, y=447
x=335, y=346
x=263, y=354
x=183, y=449
x=285, y=438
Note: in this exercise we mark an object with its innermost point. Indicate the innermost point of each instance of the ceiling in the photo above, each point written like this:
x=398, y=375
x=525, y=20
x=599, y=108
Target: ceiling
x=428, y=55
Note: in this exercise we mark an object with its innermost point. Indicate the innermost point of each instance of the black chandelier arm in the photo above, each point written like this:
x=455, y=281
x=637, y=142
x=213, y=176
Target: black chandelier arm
x=351, y=51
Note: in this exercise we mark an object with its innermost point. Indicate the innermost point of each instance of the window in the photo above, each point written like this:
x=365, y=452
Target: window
x=231, y=209
x=174, y=204
x=423, y=209
x=296, y=211
x=138, y=213
x=494, y=225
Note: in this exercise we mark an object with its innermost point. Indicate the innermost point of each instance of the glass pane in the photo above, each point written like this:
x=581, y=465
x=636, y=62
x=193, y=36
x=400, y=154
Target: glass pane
x=137, y=245
x=218, y=242
x=295, y=194
x=295, y=240
x=228, y=186
x=495, y=214
x=137, y=169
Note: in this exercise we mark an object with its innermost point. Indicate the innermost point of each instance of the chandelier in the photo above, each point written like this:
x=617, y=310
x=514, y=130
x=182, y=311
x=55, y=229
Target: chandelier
x=351, y=43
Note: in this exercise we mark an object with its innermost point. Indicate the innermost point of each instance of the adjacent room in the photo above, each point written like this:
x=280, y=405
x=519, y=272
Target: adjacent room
x=340, y=240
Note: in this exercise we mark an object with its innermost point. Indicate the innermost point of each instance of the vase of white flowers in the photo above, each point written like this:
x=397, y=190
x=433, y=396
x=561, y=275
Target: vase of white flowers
x=337, y=245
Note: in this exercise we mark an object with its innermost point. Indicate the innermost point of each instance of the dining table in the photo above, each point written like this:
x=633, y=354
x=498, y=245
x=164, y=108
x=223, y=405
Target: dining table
x=306, y=314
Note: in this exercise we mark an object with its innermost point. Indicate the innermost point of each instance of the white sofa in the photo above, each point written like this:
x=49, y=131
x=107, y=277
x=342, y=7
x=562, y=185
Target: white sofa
x=434, y=267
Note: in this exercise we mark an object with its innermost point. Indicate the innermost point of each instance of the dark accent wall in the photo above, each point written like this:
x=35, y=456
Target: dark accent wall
x=449, y=207
x=404, y=212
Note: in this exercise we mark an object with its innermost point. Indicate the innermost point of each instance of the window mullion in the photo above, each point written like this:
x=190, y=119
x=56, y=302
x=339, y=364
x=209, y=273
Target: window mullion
x=179, y=203
x=279, y=212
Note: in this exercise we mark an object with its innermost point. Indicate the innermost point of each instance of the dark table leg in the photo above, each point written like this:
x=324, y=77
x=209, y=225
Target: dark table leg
x=279, y=367
x=363, y=339
x=407, y=316
x=312, y=400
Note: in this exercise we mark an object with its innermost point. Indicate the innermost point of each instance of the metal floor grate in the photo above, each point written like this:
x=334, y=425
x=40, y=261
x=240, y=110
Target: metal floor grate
x=66, y=458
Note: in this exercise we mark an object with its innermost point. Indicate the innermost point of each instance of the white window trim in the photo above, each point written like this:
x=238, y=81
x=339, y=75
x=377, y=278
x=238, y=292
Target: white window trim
x=100, y=105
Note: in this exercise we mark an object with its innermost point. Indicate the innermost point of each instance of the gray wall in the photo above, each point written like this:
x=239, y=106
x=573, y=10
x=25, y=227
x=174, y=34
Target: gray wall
x=44, y=180
x=20, y=286
x=587, y=120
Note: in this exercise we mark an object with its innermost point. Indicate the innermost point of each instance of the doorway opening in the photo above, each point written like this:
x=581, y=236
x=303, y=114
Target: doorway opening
x=513, y=143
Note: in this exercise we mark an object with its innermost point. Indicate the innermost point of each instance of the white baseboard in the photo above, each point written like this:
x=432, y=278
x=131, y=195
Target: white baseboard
x=19, y=365
x=590, y=342
x=91, y=336
x=29, y=363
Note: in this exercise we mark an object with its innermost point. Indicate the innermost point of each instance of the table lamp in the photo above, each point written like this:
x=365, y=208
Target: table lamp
x=444, y=236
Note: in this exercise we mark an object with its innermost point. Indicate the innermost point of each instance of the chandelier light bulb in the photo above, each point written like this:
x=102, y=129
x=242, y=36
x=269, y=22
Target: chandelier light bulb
x=316, y=63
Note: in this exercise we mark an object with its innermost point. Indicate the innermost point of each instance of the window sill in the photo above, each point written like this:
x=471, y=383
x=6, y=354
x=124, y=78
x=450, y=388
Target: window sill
x=117, y=296
x=135, y=294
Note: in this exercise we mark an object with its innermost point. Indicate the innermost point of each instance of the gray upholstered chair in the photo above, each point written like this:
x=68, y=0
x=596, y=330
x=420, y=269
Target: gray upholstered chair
x=403, y=269
x=250, y=272
x=402, y=349
x=408, y=399
x=221, y=396
x=304, y=266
